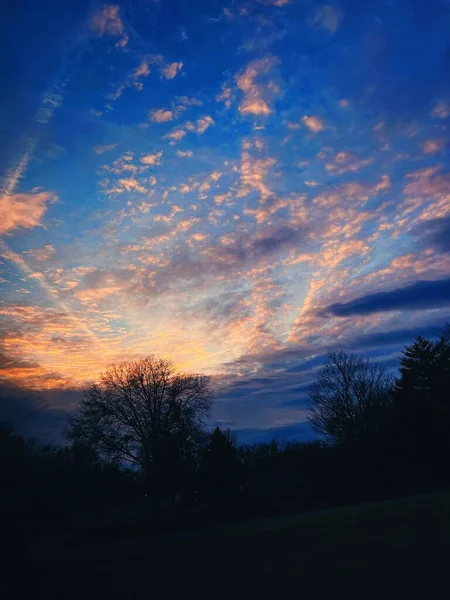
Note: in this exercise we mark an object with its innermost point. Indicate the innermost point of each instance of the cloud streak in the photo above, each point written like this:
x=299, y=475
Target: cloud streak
x=420, y=295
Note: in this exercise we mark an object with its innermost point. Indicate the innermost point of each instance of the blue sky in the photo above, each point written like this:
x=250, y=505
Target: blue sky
x=241, y=186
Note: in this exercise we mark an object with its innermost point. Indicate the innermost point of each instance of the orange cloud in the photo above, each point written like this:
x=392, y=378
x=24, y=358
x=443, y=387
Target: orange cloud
x=175, y=136
x=151, y=159
x=23, y=210
x=314, y=124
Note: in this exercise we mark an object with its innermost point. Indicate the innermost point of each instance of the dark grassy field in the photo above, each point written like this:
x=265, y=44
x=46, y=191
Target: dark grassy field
x=396, y=549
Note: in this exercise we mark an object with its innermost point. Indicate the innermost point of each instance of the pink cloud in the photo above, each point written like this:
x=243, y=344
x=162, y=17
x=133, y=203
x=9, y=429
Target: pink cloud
x=433, y=146
x=260, y=84
x=107, y=21
x=171, y=70
x=161, y=115
x=441, y=110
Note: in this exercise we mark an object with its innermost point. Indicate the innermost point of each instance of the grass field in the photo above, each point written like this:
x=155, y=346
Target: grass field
x=395, y=549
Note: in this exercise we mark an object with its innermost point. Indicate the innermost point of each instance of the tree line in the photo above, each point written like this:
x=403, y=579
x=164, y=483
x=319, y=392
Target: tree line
x=139, y=439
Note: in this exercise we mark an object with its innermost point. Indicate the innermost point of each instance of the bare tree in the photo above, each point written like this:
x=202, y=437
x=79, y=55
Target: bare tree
x=143, y=413
x=348, y=397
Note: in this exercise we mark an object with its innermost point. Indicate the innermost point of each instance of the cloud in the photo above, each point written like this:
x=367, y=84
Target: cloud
x=201, y=125
x=41, y=254
x=327, y=17
x=278, y=3
x=260, y=84
x=420, y=295
x=151, y=159
x=132, y=80
x=345, y=162
x=314, y=124
x=171, y=70
x=441, y=110
x=161, y=115
x=433, y=146
x=254, y=106
x=103, y=149
x=184, y=153
x=435, y=233
x=23, y=210
x=43, y=415
x=126, y=184
x=395, y=336
x=107, y=21
x=254, y=171
x=175, y=136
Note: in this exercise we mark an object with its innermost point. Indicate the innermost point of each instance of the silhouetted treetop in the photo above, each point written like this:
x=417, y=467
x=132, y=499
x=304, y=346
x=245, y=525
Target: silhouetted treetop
x=144, y=413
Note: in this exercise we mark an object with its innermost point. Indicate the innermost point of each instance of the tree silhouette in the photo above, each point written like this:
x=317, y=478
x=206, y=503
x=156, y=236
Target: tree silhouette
x=220, y=465
x=348, y=397
x=145, y=414
x=422, y=399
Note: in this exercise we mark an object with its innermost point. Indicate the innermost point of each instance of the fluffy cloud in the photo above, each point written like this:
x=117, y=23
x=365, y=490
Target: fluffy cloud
x=23, y=210
x=433, y=146
x=171, y=70
x=161, y=115
x=260, y=86
x=175, y=136
x=151, y=159
x=201, y=125
x=107, y=21
x=314, y=124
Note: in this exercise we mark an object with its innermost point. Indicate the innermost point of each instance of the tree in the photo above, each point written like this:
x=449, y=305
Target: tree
x=349, y=397
x=421, y=399
x=144, y=414
x=221, y=465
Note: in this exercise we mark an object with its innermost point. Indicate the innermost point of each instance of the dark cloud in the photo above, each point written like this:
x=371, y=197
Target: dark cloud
x=422, y=294
x=37, y=414
x=435, y=233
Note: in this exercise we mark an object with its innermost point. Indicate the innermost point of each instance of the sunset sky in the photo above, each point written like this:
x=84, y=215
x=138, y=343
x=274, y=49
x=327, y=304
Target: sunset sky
x=239, y=185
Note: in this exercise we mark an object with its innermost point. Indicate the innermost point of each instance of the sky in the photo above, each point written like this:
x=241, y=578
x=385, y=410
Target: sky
x=240, y=186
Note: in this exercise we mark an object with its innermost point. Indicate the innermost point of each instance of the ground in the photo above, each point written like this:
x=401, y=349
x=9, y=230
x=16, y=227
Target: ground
x=395, y=549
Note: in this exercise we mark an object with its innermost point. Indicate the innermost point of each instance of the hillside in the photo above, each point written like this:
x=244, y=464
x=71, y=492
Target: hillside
x=392, y=549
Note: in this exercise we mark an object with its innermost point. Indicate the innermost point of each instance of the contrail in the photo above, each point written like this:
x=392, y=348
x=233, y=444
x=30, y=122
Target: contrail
x=51, y=101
